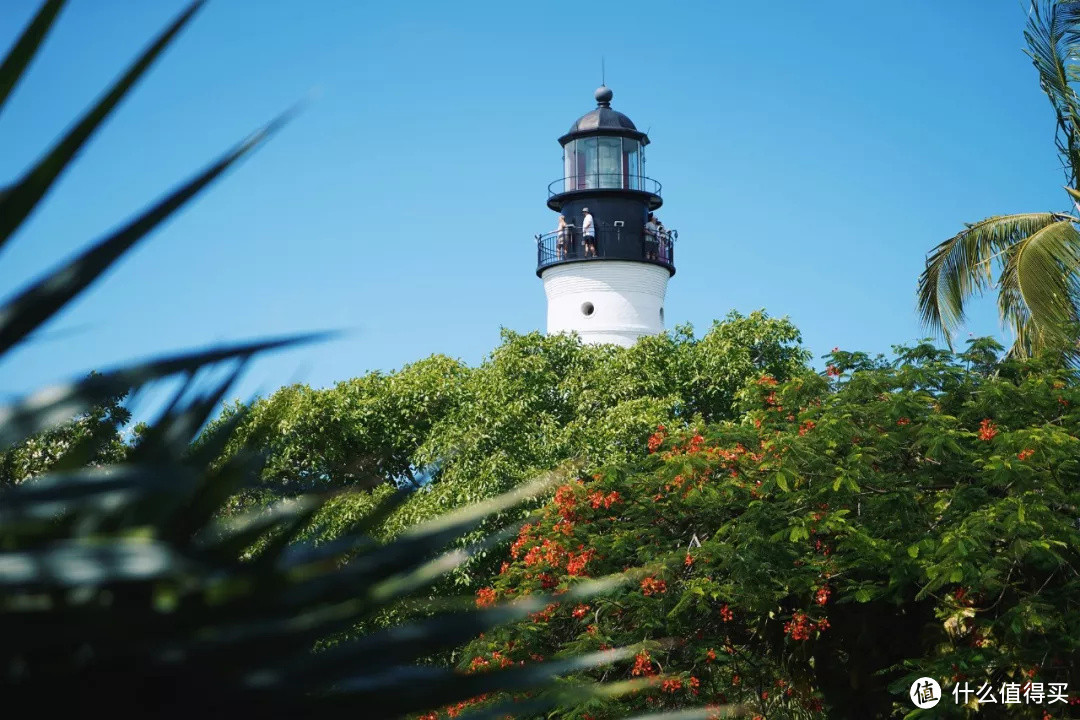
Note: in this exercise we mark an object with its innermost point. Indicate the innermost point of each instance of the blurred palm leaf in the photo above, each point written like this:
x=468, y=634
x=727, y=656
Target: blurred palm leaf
x=1036, y=256
x=138, y=586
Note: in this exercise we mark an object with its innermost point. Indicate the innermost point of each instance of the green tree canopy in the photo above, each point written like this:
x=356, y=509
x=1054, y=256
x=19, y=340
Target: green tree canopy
x=92, y=438
x=536, y=402
x=849, y=534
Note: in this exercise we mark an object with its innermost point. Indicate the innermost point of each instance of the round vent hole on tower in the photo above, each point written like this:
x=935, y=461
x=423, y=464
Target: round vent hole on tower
x=587, y=309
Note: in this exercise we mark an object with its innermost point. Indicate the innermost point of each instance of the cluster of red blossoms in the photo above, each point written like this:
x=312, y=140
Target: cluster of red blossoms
x=822, y=595
x=566, y=501
x=725, y=613
x=657, y=439
x=545, y=614
x=652, y=586
x=575, y=564
x=671, y=686
x=674, y=685
x=598, y=499
x=547, y=551
x=1025, y=454
x=457, y=709
x=485, y=597
x=987, y=430
x=800, y=626
x=523, y=539
x=643, y=666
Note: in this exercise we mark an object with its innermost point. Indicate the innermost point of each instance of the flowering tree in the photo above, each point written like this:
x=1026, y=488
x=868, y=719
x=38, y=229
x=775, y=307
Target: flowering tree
x=848, y=535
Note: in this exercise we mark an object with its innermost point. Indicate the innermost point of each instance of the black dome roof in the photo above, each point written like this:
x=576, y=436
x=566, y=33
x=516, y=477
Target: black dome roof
x=603, y=118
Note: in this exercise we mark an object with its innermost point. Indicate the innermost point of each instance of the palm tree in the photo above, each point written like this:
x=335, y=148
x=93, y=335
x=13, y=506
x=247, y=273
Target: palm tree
x=1036, y=256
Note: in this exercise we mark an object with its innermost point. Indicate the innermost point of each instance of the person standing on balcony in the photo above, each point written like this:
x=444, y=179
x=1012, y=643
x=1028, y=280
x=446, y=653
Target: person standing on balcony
x=662, y=239
x=588, y=233
x=651, y=238
x=562, y=238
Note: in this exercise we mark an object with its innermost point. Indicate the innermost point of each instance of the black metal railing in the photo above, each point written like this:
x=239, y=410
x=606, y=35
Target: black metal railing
x=604, y=181
x=609, y=243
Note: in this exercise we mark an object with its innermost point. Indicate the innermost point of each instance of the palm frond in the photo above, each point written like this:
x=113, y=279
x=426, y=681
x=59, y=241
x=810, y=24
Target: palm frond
x=961, y=267
x=19, y=200
x=1038, y=287
x=24, y=49
x=1052, y=35
x=37, y=303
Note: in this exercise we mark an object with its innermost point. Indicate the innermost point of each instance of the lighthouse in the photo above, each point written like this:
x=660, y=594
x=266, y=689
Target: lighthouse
x=605, y=269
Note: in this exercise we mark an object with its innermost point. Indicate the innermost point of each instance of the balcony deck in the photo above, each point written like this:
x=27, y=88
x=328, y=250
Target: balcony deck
x=612, y=243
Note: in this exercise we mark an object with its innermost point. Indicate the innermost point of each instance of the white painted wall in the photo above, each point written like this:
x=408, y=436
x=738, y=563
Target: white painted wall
x=626, y=298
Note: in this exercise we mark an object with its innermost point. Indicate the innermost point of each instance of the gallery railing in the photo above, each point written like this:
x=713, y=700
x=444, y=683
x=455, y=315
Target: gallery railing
x=613, y=181
x=610, y=243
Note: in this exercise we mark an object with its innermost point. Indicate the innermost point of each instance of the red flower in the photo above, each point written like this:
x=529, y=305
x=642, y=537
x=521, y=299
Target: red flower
x=710, y=656
x=1025, y=453
x=643, y=665
x=987, y=430
x=576, y=564
x=485, y=597
x=566, y=501
x=580, y=611
x=903, y=421
x=671, y=686
x=822, y=596
x=725, y=613
x=807, y=427
x=799, y=626
x=833, y=371
x=652, y=586
x=598, y=499
x=767, y=380
x=689, y=561
x=657, y=439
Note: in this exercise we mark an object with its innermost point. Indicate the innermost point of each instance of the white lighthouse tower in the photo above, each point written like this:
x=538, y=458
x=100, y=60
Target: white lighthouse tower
x=606, y=282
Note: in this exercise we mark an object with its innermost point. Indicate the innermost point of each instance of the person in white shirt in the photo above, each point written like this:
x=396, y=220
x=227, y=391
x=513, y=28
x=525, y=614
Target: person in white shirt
x=588, y=233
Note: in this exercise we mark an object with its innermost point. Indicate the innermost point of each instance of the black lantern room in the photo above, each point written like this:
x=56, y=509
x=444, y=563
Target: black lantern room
x=603, y=171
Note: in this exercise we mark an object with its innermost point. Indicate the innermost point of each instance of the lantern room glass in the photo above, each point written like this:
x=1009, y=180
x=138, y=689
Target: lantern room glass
x=631, y=164
x=609, y=172
x=602, y=162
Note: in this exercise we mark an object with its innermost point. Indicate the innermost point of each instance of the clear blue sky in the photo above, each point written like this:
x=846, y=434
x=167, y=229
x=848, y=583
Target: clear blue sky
x=809, y=158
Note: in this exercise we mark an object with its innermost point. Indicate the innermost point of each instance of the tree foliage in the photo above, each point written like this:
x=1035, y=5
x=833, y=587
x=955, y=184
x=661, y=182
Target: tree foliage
x=93, y=438
x=849, y=534
x=535, y=403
